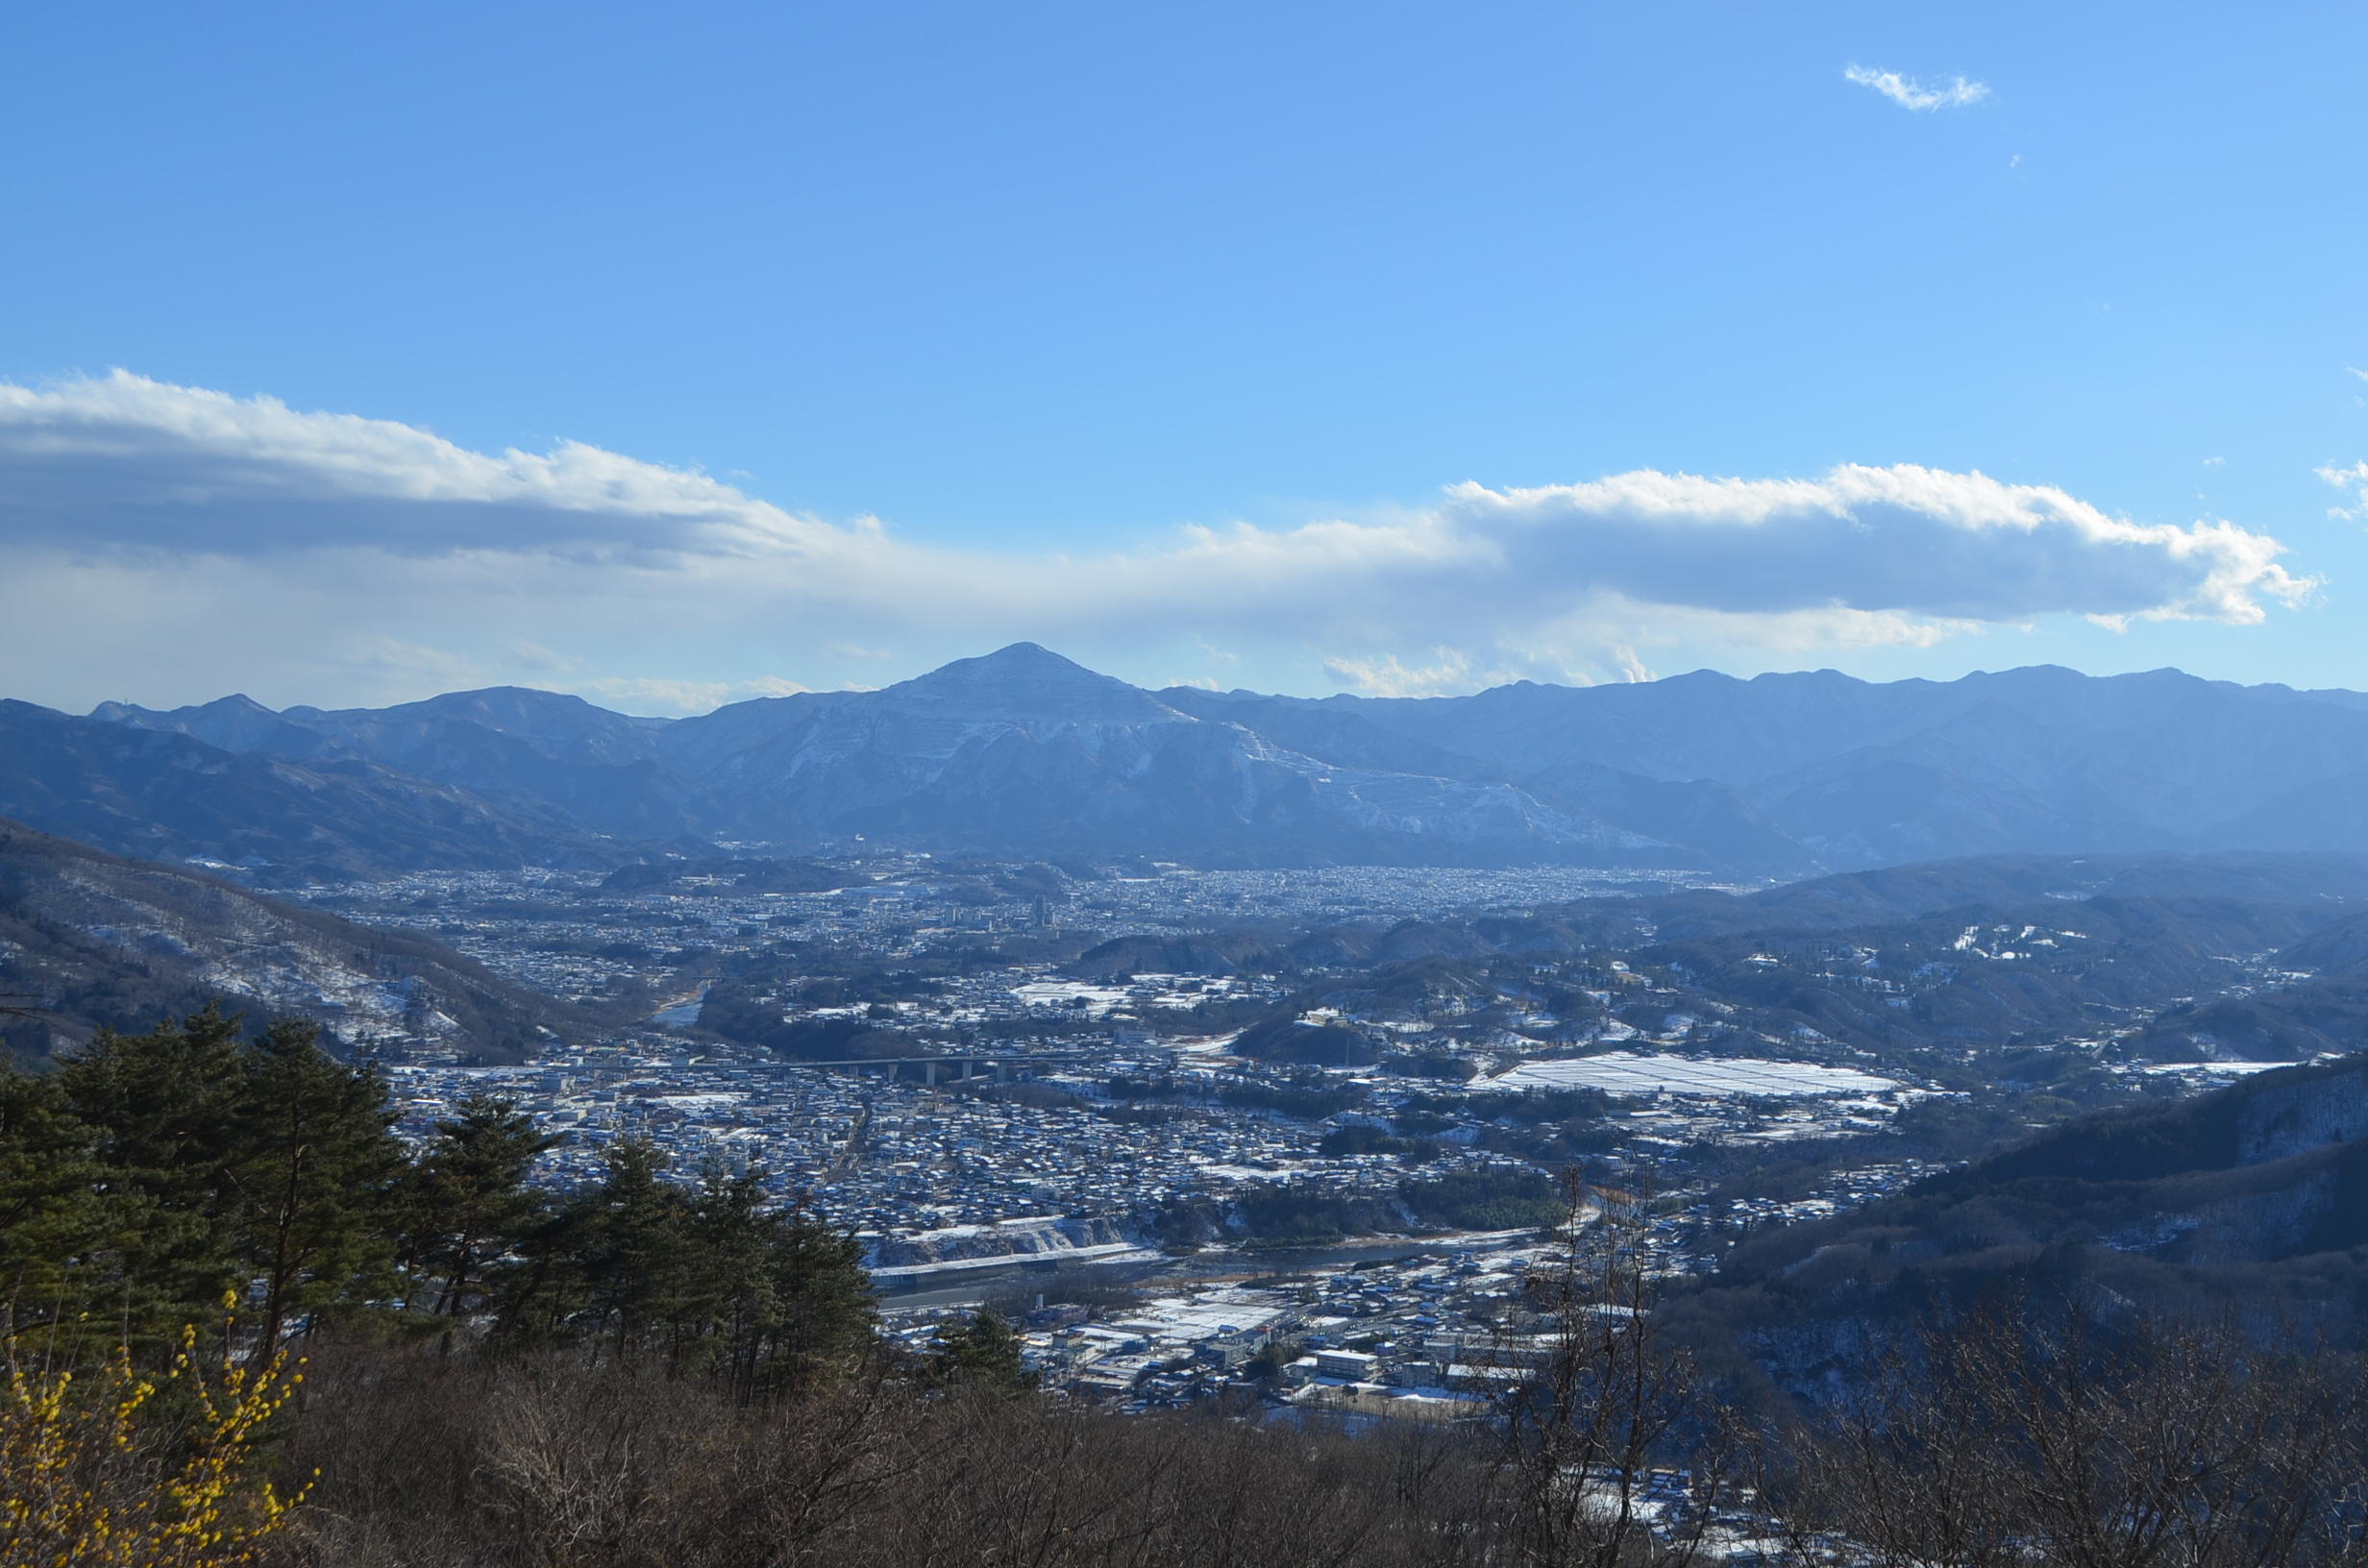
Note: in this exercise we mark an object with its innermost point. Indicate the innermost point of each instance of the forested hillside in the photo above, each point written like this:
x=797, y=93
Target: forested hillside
x=148, y=1174
x=89, y=941
x=271, y=820
x=2248, y=1205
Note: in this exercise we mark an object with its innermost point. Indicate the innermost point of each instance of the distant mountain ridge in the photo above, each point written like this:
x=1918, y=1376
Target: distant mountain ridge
x=156, y=794
x=1025, y=752
x=1860, y=773
x=1021, y=752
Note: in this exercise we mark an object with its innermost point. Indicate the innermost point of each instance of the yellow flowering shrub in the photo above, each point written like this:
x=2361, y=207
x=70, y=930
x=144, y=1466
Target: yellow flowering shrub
x=86, y=1483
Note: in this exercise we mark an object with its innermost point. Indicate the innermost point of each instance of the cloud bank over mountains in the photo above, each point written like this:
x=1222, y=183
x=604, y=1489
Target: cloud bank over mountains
x=244, y=540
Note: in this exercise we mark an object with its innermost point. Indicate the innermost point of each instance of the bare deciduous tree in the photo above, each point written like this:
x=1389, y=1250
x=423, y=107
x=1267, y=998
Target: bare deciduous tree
x=2010, y=1435
x=1605, y=1395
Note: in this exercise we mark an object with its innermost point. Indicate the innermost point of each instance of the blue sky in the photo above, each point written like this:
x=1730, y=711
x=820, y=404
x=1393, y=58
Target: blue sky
x=903, y=331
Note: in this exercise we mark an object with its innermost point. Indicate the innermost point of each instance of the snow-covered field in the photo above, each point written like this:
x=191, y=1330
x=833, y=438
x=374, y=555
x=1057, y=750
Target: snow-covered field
x=2238, y=1069
x=1089, y=1000
x=1623, y=1072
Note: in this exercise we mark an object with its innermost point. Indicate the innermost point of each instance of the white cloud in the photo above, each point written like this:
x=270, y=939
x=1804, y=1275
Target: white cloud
x=179, y=467
x=657, y=695
x=1451, y=673
x=533, y=655
x=1211, y=651
x=1917, y=541
x=155, y=534
x=1789, y=632
x=374, y=658
x=641, y=692
x=1908, y=92
x=2354, y=480
x=2356, y=371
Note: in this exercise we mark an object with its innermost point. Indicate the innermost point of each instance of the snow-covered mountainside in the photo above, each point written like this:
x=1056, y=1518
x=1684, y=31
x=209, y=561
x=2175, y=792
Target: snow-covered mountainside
x=1021, y=752
x=91, y=941
x=2252, y=1202
x=2034, y=760
x=1025, y=752
x=159, y=794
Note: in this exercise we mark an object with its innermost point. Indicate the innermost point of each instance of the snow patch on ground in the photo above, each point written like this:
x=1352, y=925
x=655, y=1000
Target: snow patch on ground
x=1624, y=1072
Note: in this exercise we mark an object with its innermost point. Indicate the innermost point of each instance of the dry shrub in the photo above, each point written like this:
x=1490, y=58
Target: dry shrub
x=551, y=1460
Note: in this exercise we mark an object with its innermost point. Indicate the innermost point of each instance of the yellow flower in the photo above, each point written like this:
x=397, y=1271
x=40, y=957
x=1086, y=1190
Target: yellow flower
x=80, y=1485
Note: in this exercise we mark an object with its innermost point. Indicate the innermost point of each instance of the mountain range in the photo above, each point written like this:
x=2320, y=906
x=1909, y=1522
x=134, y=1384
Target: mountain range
x=1023, y=753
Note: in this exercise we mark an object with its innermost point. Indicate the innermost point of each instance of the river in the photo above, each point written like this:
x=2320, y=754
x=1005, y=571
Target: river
x=979, y=1283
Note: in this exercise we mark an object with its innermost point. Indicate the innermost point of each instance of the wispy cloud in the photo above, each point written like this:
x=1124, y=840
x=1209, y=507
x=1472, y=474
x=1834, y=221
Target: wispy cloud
x=640, y=694
x=1908, y=93
x=153, y=533
x=2353, y=479
x=1452, y=670
x=646, y=693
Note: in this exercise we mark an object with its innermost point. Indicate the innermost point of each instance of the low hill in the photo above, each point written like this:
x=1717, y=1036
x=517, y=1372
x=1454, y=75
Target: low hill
x=2328, y=882
x=2160, y=958
x=91, y=941
x=2252, y=1200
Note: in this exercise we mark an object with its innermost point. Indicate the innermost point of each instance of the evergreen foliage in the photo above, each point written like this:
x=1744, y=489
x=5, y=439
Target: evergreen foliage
x=317, y=1177
x=981, y=1352
x=464, y=1199
x=153, y=1173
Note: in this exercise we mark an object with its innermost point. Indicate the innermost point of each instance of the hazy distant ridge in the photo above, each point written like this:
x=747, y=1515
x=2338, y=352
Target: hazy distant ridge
x=1025, y=752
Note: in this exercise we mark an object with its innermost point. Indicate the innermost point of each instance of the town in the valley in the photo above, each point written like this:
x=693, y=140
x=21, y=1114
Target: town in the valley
x=1322, y=1182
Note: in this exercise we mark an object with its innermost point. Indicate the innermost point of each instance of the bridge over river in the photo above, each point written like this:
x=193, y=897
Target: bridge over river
x=932, y=1069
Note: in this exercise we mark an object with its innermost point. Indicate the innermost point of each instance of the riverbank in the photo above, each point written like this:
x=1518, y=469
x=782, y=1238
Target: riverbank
x=908, y=1289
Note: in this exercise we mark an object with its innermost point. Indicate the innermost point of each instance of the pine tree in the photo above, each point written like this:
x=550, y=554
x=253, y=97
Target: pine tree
x=731, y=1301
x=634, y=1240
x=466, y=1202
x=164, y=1112
x=153, y=1173
x=57, y=1258
x=775, y=1297
x=983, y=1352
x=315, y=1175
x=829, y=1314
